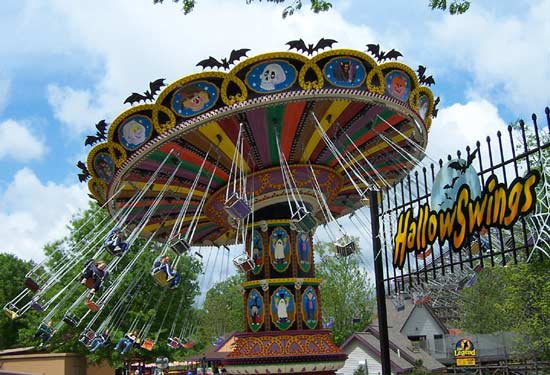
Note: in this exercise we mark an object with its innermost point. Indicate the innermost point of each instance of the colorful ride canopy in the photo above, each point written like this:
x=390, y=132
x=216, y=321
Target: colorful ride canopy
x=378, y=114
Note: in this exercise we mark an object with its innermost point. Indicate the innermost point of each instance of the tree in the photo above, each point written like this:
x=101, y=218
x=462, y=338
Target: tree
x=489, y=316
x=513, y=298
x=223, y=310
x=317, y=6
x=146, y=301
x=455, y=6
x=346, y=294
x=12, y=275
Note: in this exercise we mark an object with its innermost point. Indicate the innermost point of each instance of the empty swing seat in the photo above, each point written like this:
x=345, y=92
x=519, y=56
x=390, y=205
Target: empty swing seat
x=11, y=311
x=237, y=207
x=179, y=245
x=244, y=263
x=399, y=303
x=94, y=307
x=31, y=284
x=188, y=344
x=174, y=342
x=148, y=344
x=345, y=246
x=37, y=306
x=303, y=220
x=86, y=337
x=71, y=319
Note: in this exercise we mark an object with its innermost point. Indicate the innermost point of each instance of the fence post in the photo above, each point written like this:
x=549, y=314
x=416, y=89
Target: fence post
x=379, y=282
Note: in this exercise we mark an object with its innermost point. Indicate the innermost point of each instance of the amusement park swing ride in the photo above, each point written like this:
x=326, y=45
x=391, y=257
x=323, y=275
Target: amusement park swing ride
x=257, y=153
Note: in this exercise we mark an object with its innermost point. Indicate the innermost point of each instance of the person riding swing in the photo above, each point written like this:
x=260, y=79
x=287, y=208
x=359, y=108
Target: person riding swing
x=162, y=264
x=94, y=274
x=115, y=244
x=100, y=341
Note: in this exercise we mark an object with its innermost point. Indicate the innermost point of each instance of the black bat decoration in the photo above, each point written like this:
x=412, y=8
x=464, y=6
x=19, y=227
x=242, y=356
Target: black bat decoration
x=154, y=88
x=434, y=112
x=422, y=78
x=234, y=56
x=452, y=184
x=99, y=135
x=457, y=165
x=85, y=175
x=374, y=49
x=301, y=46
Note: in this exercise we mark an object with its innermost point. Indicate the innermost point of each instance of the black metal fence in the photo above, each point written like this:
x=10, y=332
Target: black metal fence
x=511, y=154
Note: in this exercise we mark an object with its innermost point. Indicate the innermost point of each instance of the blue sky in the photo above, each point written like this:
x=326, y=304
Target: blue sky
x=65, y=64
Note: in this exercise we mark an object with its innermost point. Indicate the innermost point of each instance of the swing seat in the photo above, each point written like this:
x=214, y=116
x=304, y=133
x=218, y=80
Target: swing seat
x=43, y=328
x=94, y=307
x=11, y=311
x=174, y=342
x=303, y=220
x=86, y=337
x=70, y=319
x=89, y=283
x=474, y=247
x=179, y=245
x=399, y=304
x=237, y=207
x=244, y=263
x=148, y=344
x=31, y=284
x=115, y=251
x=188, y=345
x=345, y=246
x=137, y=342
x=37, y=306
x=160, y=277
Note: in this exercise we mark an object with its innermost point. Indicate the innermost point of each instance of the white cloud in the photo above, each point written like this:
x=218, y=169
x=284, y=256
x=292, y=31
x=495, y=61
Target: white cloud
x=134, y=55
x=75, y=109
x=33, y=213
x=507, y=55
x=18, y=143
x=460, y=125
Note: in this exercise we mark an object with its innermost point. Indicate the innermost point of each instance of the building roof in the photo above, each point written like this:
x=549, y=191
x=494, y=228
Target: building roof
x=396, y=322
x=401, y=342
x=372, y=345
x=398, y=319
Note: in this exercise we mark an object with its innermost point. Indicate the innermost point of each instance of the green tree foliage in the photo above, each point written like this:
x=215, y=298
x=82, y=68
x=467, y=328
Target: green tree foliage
x=223, y=310
x=455, y=6
x=12, y=275
x=486, y=317
x=317, y=6
x=346, y=295
x=513, y=298
x=148, y=300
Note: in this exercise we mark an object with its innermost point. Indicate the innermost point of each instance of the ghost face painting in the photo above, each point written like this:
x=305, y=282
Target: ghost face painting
x=133, y=133
x=272, y=75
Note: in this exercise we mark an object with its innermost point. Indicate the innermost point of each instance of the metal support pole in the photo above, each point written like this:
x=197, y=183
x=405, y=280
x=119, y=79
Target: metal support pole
x=379, y=282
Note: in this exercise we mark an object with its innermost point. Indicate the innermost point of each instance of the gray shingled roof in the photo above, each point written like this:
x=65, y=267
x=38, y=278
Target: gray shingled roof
x=396, y=321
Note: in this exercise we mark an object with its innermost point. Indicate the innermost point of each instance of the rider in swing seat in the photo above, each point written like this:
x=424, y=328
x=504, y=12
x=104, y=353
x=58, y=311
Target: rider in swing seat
x=162, y=264
x=96, y=272
x=100, y=341
x=114, y=242
x=126, y=342
x=45, y=332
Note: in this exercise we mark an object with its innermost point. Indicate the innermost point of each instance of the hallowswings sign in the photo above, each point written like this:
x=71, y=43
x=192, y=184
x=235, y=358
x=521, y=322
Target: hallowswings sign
x=495, y=206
